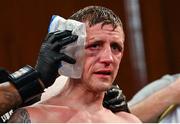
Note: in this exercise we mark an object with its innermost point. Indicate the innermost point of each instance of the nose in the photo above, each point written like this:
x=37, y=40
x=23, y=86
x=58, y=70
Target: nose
x=106, y=56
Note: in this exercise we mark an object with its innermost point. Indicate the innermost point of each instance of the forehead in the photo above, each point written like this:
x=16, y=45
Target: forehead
x=107, y=31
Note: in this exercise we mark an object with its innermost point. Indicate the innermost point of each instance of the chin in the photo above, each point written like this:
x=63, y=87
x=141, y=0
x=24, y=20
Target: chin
x=101, y=87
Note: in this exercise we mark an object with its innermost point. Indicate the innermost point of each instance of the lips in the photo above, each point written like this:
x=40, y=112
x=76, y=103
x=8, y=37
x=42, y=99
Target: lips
x=104, y=72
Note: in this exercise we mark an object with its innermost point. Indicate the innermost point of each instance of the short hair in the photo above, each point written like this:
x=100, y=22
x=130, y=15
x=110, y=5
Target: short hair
x=97, y=14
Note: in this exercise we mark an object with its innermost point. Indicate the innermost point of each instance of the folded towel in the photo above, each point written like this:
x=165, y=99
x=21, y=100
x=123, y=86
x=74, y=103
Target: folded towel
x=74, y=50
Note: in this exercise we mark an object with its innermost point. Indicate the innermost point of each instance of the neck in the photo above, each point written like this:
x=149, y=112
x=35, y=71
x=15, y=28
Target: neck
x=76, y=95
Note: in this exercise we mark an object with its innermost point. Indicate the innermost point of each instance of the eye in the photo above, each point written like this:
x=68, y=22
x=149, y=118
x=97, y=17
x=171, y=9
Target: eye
x=116, y=47
x=94, y=46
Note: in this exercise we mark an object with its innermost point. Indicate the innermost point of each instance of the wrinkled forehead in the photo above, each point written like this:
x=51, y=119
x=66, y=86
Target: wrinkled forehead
x=88, y=24
x=100, y=29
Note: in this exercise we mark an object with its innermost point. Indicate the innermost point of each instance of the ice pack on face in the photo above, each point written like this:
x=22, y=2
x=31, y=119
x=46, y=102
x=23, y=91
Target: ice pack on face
x=75, y=49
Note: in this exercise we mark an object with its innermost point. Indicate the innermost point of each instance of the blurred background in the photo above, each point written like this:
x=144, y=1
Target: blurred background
x=152, y=29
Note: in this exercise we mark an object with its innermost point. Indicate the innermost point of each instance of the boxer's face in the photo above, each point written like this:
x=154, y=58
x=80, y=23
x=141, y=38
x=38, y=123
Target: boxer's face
x=103, y=53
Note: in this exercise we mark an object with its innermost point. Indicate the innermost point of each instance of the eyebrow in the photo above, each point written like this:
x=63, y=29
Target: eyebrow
x=94, y=42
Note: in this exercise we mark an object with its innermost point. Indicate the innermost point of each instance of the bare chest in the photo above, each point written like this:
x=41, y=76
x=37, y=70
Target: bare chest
x=72, y=116
x=64, y=115
x=99, y=117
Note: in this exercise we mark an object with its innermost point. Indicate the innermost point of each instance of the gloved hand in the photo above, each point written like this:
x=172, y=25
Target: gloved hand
x=49, y=57
x=115, y=100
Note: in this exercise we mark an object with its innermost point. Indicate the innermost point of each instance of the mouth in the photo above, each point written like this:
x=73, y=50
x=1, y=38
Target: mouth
x=104, y=73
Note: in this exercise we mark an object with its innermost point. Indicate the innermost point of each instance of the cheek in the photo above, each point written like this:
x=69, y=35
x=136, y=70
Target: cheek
x=90, y=60
x=88, y=65
x=117, y=62
x=118, y=57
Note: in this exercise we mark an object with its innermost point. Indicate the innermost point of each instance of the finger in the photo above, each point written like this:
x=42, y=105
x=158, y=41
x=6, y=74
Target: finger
x=116, y=100
x=64, y=57
x=114, y=92
x=111, y=96
x=55, y=47
x=55, y=36
x=68, y=40
x=118, y=108
x=62, y=34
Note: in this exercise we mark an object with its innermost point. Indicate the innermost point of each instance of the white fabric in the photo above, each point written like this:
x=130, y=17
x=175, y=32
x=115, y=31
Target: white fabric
x=56, y=88
x=75, y=49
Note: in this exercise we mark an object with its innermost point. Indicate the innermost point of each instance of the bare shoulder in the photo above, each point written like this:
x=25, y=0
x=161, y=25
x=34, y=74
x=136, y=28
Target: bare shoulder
x=26, y=115
x=130, y=117
x=48, y=113
x=20, y=116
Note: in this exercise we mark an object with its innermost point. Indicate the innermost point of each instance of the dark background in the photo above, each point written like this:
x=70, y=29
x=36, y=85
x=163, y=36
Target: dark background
x=24, y=23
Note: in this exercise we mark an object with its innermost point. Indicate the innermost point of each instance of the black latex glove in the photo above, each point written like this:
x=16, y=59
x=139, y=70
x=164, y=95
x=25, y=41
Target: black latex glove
x=115, y=100
x=49, y=57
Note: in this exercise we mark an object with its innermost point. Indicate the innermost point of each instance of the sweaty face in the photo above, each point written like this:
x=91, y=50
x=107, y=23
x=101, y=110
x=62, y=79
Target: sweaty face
x=103, y=52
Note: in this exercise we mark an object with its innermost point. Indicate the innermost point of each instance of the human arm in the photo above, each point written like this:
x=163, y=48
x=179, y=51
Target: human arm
x=165, y=92
x=20, y=116
x=46, y=72
x=18, y=88
x=9, y=97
